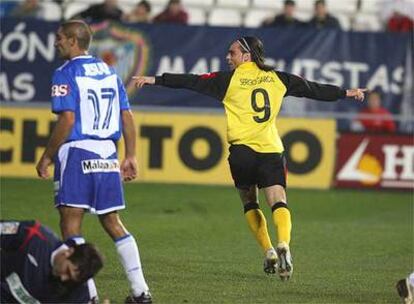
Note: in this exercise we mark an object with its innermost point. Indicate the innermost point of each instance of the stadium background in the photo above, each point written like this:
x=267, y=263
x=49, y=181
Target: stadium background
x=181, y=140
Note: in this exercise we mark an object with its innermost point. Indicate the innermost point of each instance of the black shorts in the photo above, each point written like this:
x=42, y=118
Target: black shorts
x=249, y=167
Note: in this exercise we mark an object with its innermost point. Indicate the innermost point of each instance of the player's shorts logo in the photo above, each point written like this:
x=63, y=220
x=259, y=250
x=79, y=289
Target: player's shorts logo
x=100, y=166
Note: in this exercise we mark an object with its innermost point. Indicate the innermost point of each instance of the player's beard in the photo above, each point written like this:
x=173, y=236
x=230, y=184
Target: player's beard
x=62, y=55
x=61, y=289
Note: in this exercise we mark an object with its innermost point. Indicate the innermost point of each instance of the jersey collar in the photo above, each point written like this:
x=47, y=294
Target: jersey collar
x=81, y=57
x=247, y=65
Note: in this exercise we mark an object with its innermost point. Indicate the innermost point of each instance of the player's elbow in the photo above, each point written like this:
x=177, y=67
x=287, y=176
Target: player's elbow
x=127, y=116
x=127, y=119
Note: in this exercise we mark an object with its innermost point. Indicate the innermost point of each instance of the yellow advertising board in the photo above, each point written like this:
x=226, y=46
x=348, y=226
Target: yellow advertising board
x=310, y=146
x=177, y=147
x=24, y=133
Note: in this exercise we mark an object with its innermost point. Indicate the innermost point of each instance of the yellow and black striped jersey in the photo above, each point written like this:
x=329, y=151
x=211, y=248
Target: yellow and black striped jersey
x=252, y=99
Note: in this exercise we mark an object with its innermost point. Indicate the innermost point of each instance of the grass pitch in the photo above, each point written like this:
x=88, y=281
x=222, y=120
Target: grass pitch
x=348, y=246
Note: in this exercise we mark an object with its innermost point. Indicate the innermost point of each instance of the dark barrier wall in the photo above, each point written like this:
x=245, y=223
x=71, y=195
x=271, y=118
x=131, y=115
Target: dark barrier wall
x=375, y=60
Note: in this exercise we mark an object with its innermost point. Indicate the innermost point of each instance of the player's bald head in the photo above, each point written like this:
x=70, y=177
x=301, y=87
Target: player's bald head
x=79, y=30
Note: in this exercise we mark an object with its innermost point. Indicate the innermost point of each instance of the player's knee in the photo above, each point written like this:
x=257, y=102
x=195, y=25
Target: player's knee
x=248, y=195
x=109, y=220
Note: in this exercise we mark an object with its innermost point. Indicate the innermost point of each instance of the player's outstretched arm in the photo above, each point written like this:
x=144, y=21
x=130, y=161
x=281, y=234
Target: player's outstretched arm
x=358, y=94
x=140, y=81
x=300, y=87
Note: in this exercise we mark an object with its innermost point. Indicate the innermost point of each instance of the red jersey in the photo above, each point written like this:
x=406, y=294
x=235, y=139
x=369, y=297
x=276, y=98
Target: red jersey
x=382, y=123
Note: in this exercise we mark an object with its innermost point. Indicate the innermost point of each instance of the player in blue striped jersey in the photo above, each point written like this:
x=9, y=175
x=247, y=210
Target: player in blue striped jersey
x=93, y=111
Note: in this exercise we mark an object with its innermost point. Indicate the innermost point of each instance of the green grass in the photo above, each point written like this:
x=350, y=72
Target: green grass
x=348, y=246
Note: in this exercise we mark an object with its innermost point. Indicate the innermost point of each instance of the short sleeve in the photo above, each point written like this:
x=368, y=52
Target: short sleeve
x=123, y=96
x=64, y=93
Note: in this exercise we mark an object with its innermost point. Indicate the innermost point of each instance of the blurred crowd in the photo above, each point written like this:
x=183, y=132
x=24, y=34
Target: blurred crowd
x=396, y=15
x=174, y=11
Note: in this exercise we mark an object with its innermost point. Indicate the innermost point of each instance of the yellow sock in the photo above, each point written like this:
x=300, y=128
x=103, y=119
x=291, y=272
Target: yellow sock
x=282, y=220
x=258, y=225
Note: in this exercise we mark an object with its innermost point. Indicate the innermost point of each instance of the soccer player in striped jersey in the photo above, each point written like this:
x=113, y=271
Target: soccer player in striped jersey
x=93, y=111
x=252, y=94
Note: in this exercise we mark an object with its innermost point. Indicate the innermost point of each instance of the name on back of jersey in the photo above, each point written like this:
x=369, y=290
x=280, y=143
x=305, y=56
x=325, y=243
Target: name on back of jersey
x=96, y=69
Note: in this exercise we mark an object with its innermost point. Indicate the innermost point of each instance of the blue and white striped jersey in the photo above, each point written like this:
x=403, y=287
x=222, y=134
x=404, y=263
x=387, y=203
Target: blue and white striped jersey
x=92, y=90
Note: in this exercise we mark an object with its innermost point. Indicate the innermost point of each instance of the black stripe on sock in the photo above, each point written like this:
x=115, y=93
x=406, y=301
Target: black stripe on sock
x=279, y=205
x=250, y=206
